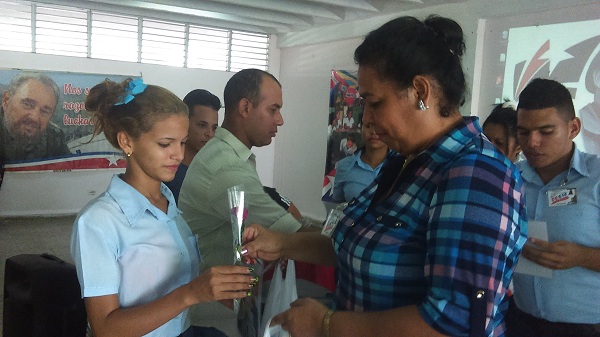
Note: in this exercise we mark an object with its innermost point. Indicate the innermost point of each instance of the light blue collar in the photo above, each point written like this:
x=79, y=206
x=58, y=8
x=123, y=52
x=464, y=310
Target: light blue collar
x=134, y=205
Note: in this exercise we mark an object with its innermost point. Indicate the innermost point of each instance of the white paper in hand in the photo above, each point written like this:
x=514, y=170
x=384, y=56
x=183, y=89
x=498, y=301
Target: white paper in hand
x=536, y=229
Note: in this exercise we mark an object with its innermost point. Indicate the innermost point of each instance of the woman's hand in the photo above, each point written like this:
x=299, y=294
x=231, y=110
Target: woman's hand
x=222, y=283
x=303, y=319
x=261, y=243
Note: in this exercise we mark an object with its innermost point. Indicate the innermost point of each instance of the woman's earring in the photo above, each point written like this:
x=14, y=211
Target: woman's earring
x=128, y=154
x=422, y=105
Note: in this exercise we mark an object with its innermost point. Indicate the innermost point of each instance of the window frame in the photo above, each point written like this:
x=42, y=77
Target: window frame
x=189, y=42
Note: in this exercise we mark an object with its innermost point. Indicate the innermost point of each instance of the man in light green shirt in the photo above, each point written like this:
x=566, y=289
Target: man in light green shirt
x=253, y=101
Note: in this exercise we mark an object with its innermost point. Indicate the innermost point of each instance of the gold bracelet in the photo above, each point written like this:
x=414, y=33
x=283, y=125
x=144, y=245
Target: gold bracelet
x=326, y=321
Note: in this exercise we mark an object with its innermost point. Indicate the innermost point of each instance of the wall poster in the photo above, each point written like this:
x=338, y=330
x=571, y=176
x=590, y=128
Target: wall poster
x=555, y=52
x=40, y=133
x=345, y=115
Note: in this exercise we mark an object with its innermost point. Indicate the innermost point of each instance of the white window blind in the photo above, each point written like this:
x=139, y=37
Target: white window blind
x=15, y=26
x=29, y=26
x=114, y=37
x=208, y=48
x=61, y=30
x=163, y=42
x=249, y=50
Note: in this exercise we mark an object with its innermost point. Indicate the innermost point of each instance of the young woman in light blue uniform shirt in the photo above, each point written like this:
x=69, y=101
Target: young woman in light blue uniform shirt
x=354, y=173
x=137, y=260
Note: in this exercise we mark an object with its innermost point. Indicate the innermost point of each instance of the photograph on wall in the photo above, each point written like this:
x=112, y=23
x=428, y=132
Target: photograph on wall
x=345, y=114
x=554, y=52
x=44, y=124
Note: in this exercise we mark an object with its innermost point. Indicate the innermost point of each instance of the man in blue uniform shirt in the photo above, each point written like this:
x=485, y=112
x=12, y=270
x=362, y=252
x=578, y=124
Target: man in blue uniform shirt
x=563, y=190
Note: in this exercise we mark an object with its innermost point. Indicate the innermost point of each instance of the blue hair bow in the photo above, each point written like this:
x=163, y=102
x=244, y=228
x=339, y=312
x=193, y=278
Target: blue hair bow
x=134, y=88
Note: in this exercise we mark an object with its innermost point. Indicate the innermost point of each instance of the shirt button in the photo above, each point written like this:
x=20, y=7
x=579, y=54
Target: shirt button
x=379, y=218
x=399, y=224
x=352, y=202
x=352, y=224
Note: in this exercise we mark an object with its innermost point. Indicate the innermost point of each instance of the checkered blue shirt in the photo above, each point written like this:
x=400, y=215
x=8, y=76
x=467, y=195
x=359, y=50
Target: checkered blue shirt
x=453, y=224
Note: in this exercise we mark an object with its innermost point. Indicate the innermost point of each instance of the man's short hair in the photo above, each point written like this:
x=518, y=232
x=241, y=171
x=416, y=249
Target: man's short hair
x=26, y=76
x=201, y=97
x=543, y=93
x=245, y=84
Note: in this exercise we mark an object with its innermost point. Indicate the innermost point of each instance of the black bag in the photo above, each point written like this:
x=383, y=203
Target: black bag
x=42, y=298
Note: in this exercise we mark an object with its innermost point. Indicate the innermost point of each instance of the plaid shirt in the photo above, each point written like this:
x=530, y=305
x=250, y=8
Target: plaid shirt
x=453, y=224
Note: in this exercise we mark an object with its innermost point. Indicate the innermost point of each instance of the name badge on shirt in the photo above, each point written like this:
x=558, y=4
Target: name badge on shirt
x=562, y=197
x=334, y=216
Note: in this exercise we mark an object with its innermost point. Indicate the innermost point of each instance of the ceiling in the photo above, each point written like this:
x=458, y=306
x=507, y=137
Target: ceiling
x=265, y=16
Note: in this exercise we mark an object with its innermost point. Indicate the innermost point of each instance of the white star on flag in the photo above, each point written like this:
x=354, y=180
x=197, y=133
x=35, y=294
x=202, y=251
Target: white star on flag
x=112, y=160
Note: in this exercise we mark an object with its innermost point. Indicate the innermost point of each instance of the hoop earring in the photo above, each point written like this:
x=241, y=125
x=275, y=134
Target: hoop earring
x=422, y=105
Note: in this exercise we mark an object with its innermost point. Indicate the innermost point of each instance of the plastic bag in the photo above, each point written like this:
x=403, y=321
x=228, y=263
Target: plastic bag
x=275, y=331
x=282, y=292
